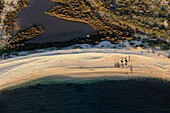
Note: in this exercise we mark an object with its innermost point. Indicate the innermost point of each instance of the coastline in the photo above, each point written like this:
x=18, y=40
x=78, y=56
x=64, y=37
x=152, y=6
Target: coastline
x=82, y=63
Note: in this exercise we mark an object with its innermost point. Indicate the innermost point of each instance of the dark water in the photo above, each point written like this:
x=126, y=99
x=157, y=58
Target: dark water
x=55, y=29
x=129, y=96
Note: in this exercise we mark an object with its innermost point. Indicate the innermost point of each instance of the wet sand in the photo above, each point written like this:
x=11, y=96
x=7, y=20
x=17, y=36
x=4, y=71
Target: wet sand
x=127, y=96
x=56, y=29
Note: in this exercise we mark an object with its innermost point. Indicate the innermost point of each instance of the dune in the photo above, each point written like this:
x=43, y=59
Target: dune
x=82, y=63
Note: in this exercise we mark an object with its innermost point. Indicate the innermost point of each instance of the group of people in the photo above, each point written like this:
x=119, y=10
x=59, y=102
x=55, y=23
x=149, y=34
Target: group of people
x=124, y=62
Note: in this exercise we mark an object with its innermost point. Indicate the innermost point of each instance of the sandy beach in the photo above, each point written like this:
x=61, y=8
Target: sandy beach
x=82, y=63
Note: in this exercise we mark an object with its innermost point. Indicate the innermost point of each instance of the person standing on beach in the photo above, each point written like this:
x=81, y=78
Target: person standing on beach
x=131, y=69
x=129, y=58
x=126, y=61
x=122, y=63
x=126, y=74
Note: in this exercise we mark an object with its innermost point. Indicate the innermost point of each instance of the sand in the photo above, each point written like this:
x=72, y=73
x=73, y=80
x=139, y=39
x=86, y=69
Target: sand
x=82, y=63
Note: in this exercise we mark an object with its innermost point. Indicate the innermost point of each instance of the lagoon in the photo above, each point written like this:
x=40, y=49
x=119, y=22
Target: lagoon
x=56, y=30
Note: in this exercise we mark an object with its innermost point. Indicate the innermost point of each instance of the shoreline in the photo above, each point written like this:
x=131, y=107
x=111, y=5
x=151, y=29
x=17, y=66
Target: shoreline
x=58, y=80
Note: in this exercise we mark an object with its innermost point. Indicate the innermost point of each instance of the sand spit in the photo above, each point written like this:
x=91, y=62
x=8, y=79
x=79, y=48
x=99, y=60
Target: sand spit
x=82, y=63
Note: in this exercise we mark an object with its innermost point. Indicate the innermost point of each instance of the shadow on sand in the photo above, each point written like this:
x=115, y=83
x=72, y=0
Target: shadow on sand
x=105, y=96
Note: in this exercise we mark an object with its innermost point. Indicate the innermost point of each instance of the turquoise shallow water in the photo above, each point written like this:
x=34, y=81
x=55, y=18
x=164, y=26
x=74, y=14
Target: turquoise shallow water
x=104, y=96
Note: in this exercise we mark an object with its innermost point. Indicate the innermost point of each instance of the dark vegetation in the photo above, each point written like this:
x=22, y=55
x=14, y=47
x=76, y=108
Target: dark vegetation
x=11, y=17
x=157, y=42
x=1, y=7
x=18, y=39
x=141, y=11
x=130, y=96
